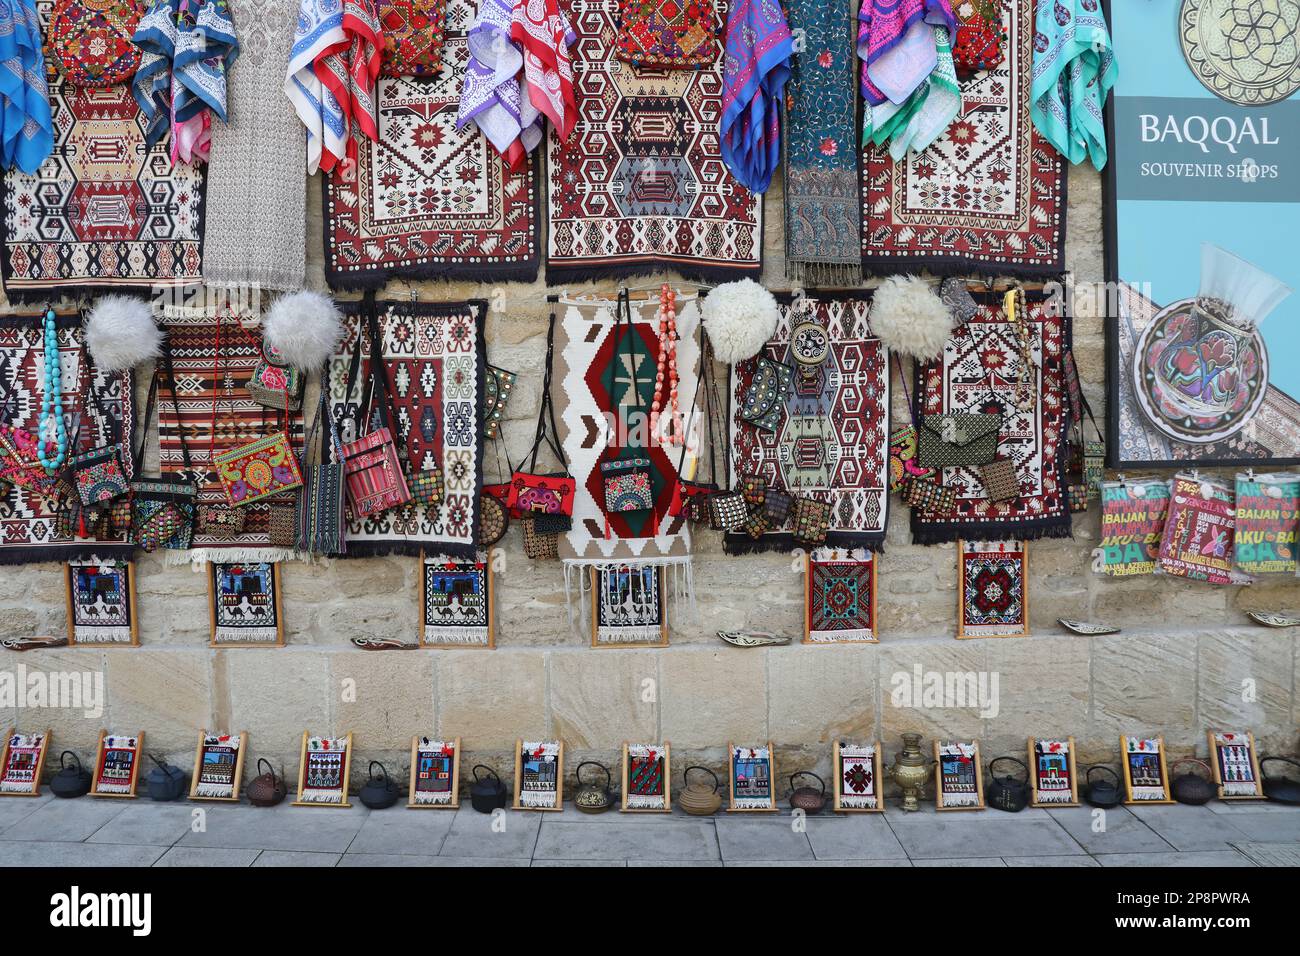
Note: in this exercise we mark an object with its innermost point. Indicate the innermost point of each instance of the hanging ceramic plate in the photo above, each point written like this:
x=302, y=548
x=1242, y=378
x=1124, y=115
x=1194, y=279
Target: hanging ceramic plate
x=1269, y=619
x=1086, y=628
x=1222, y=376
x=1242, y=51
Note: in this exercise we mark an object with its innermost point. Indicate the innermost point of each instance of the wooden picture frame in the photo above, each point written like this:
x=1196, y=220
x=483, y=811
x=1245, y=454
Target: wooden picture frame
x=1042, y=766
x=218, y=757
x=28, y=753
x=843, y=631
x=949, y=792
x=973, y=550
x=220, y=634
x=310, y=794
x=1141, y=787
x=758, y=758
x=1233, y=754
x=548, y=758
x=861, y=763
x=123, y=752
x=647, y=755
x=655, y=636
x=471, y=630
x=428, y=757
x=79, y=611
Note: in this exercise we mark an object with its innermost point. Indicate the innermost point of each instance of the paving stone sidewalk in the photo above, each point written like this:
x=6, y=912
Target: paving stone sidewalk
x=89, y=832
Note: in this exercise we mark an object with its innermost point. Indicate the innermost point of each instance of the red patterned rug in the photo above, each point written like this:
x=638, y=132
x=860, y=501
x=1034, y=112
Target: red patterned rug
x=640, y=185
x=428, y=201
x=988, y=196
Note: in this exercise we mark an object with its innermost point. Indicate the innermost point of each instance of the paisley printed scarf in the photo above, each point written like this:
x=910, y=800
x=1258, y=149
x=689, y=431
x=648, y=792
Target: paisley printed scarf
x=924, y=116
x=544, y=34
x=490, y=94
x=896, y=49
x=1074, y=70
x=26, y=126
x=756, y=67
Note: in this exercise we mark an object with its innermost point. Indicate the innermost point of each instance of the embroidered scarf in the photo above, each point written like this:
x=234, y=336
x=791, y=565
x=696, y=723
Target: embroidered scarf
x=490, y=92
x=26, y=127
x=919, y=121
x=822, y=215
x=544, y=34
x=757, y=64
x=188, y=47
x=333, y=65
x=896, y=48
x=1074, y=71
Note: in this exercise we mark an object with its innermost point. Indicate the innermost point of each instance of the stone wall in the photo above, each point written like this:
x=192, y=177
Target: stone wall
x=1187, y=660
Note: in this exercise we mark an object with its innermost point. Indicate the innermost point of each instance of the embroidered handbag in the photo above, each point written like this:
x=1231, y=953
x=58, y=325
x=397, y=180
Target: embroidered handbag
x=981, y=37
x=413, y=36
x=19, y=465
x=551, y=524
x=162, y=509
x=667, y=34
x=497, y=386
x=258, y=470
x=627, y=485
x=91, y=40
x=929, y=496
x=538, y=545
x=957, y=438
x=99, y=476
x=494, y=520
x=727, y=511
x=1078, y=498
x=221, y=521
x=320, y=525
x=1087, y=458
x=427, y=487
x=757, y=525
x=282, y=524
x=119, y=515
x=274, y=384
x=812, y=520
x=777, y=505
x=763, y=405
x=999, y=478
x=531, y=492
x=903, y=443
x=753, y=488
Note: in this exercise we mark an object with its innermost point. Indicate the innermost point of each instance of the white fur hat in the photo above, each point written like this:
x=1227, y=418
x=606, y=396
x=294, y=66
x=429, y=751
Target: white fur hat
x=908, y=317
x=304, y=328
x=121, y=333
x=739, y=317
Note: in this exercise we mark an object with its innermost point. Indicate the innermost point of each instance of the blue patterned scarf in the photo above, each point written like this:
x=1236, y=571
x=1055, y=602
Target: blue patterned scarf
x=26, y=127
x=1074, y=70
x=755, y=67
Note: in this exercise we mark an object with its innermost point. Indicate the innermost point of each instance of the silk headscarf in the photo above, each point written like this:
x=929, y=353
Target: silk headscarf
x=26, y=124
x=756, y=65
x=490, y=92
x=1074, y=71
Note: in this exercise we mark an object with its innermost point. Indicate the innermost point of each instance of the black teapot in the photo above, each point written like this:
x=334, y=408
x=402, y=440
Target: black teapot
x=593, y=797
x=164, y=781
x=71, y=781
x=1007, y=793
x=1104, y=793
x=486, y=793
x=380, y=792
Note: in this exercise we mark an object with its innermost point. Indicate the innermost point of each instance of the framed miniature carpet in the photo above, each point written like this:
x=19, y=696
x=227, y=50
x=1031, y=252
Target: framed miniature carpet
x=101, y=603
x=457, y=606
x=992, y=589
x=750, y=774
x=647, y=778
x=627, y=606
x=105, y=212
x=539, y=775
x=323, y=767
x=1236, y=765
x=218, y=766
x=117, y=765
x=983, y=370
x=1052, y=773
x=640, y=185
x=245, y=608
x=213, y=361
x=858, y=777
x=1146, y=777
x=828, y=437
x=428, y=201
x=840, y=597
x=29, y=520
x=988, y=196
x=22, y=761
x=434, y=355
x=435, y=773
x=958, y=776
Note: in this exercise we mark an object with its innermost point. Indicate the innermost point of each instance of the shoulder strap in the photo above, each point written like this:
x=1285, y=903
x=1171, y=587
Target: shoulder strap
x=138, y=461
x=547, y=409
x=176, y=409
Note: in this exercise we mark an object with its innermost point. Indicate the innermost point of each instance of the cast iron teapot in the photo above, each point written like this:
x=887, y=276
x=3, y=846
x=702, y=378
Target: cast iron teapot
x=1007, y=793
x=1190, y=787
x=265, y=790
x=807, y=799
x=697, y=799
x=592, y=797
x=486, y=793
x=1102, y=793
x=71, y=781
x=1281, y=789
x=380, y=792
x=164, y=781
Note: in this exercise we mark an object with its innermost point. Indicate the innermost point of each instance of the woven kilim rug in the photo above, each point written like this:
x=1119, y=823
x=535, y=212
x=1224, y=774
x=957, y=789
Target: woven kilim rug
x=27, y=521
x=201, y=376
x=104, y=211
x=435, y=358
x=640, y=185
x=978, y=373
x=987, y=196
x=427, y=201
x=829, y=436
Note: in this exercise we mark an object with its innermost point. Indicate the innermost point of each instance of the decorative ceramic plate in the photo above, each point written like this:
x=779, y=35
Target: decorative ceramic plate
x=1243, y=51
x=1086, y=628
x=383, y=644
x=752, y=638
x=1227, y=397
x=1269, y=619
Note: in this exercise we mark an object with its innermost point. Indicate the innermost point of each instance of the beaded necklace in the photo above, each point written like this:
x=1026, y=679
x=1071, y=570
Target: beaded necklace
x=666, y=374
x=52, y=431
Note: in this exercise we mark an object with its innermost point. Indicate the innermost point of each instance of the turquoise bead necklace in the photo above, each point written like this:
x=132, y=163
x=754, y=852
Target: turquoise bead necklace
x=53, y=430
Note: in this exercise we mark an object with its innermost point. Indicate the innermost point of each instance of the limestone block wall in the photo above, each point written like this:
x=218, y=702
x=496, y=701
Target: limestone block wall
x=1188, y=658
